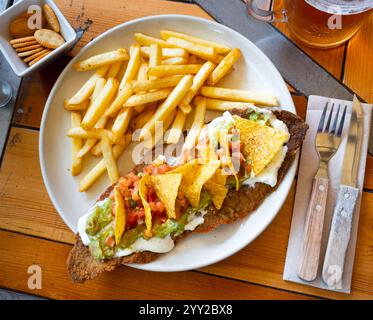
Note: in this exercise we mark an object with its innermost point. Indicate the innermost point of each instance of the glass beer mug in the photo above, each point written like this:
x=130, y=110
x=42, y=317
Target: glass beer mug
x=316, y=23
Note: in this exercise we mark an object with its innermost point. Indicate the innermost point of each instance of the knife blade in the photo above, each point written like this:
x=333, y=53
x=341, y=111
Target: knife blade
x=353, y=147
x=340, y=230
x=288, y=58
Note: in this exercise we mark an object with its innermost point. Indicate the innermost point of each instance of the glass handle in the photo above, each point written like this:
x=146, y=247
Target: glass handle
x=262, y=10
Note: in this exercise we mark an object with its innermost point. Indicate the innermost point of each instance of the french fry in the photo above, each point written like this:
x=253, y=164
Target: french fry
x=76, y=107
x=102, y=60
x=207, y=53
x=96, y=150
x=147, y=85
x=175, y=61
x=198, y=82
x=143, y=71
x=120, y=99
x=79, y=132
x=99, y=105
x=100, y=84
x=142, y=75
x=224, y=67
x=161, y=128
x=219, y=48
x=122, y=70
x=199, y=121
x=76, y=163
x=193, y=60
x=90, y=142
x=99, y=169
x=143, y=117
x=239, y=96
x=86, y=90
x=221, y=105
x=170, y=104
x=189, y=120
x=88, y=145
x=114, y=70
x=177, y=128
x=166, y=52
x=110, y=163
x=155, y=55
x=121, y=123
x=140, y=99
x=171, y=70
x=132, y=67
x=145, y=40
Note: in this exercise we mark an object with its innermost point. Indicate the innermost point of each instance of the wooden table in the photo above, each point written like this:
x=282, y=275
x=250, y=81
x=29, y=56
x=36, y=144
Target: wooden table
x=31, y=231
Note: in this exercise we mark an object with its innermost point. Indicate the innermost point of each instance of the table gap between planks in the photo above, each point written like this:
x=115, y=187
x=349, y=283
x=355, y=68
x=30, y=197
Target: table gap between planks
x=31, y=231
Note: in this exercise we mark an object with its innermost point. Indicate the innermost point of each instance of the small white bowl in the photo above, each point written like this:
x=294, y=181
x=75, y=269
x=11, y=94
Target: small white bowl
x=19, y=67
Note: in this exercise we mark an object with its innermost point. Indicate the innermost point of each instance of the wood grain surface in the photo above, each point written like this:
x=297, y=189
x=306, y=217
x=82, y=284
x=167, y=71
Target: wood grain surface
x=18, y=252
x=31, y=231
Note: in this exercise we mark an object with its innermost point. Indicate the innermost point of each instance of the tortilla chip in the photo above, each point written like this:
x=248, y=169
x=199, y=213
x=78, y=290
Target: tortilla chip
x=120, y=215
x=261, y=142
x=144, y=183
x=219, y=177
x=224, y=143
x=198, y=179
x=217, y=192
x=167, y=187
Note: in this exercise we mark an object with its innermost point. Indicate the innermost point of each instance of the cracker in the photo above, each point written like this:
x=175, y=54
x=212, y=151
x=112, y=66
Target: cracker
x=24, y=44
x=28, y=48
x=21, y=40
x=51, y=18
x=39, y=58
x=49, y=38
x=36, y=55
x=18, y=28
x=30, y=52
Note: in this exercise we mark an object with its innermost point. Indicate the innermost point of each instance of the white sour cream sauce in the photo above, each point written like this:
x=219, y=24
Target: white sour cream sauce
x=155, y=244
x=163, y=245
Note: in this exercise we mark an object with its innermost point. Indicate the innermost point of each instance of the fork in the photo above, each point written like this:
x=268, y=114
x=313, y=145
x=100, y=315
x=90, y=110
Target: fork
x=327, y=143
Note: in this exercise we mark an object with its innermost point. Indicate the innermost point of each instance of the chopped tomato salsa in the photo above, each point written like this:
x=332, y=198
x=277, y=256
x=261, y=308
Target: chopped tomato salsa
x=129, y=189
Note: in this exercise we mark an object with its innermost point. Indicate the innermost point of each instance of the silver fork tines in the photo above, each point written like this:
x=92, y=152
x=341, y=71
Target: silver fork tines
x=333, y=130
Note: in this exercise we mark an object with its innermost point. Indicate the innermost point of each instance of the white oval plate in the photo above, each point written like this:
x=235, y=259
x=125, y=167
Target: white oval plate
x=254, y=72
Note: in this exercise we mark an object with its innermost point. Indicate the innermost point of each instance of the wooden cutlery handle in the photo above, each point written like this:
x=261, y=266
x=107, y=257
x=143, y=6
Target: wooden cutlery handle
x=339, y=236
x=309, y=260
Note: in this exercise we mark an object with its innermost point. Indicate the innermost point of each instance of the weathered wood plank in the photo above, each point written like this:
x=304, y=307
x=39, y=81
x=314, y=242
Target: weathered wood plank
x=19, y=252
x=99, y=16
x=25, y=207
x=359, y=62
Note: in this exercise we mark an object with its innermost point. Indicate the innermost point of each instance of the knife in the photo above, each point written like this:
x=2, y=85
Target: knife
x=348, y=194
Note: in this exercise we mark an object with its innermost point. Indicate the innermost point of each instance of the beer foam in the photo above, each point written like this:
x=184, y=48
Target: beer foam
x=343, y=7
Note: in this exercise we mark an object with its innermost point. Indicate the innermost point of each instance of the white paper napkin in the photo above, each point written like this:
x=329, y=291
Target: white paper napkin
x=307, y=170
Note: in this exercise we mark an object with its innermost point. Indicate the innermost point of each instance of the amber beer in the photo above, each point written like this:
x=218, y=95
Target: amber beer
x=326, y=23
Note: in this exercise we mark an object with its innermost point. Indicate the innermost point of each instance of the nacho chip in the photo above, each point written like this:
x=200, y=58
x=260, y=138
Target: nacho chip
x=144, y=183
x=120, y=215
x=217, y=191
x=261, y=142
x=224, y=143
x=167, y=187
x=198, y=179
x=194, y=176
x=219, y=177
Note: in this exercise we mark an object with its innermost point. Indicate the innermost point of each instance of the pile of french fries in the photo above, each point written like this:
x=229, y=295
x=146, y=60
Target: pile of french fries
x=171, y=80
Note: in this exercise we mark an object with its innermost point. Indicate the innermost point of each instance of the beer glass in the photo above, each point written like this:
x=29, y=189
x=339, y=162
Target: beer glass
x=315, y=23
